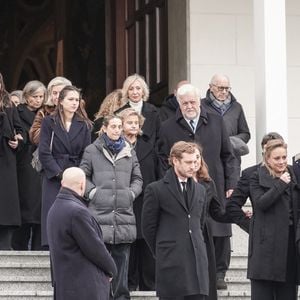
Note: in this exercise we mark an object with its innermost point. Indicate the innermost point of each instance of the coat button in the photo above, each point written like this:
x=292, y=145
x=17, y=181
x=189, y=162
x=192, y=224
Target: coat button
x=189, y=216
x=190, y=231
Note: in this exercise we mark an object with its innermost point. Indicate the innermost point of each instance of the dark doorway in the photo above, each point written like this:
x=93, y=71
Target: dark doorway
x=94, y=43
x=138, y=43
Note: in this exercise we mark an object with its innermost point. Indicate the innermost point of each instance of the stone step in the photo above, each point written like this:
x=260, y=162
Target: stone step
x=237, y=272
x=24, y=269
x=26, y=295
x=233, y=295
x=25, y=256
x=236, y=284
x=25, y=283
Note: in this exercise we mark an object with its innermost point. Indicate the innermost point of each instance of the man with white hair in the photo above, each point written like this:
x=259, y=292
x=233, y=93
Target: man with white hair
x=191, y=124
x=82, y=267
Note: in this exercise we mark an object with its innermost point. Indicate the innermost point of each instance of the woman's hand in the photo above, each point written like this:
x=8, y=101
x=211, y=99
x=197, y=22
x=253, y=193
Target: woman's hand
x=13, y=143
x=286, y=177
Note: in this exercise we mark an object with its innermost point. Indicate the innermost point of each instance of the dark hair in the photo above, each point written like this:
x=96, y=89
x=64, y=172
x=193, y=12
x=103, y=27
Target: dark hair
x=108, y=118
x=202, y=173
x=4, y=96
x=270, y=136
x=80, y=112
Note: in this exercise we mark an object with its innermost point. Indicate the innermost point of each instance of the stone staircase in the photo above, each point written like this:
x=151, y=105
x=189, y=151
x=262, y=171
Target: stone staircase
x=25, y=275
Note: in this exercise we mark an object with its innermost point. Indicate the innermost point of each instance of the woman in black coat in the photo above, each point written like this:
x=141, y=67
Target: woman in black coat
x=29, y=180
x=10, y=138
x=64, y=136
x=135, y=93
x=213, y=211
x=142, y=263
x=273, y=264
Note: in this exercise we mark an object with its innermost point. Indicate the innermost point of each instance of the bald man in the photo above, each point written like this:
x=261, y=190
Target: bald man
x=81, y=265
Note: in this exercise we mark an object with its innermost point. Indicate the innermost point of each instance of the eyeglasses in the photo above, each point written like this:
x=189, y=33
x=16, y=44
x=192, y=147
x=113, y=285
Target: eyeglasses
x=223, y=88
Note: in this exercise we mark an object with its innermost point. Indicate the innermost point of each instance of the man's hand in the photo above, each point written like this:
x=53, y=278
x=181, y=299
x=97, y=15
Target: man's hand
x=248, y=214
x=228, y=193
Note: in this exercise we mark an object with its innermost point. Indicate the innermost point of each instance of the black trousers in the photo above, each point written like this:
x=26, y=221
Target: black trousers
x=271, y=290
x=6, y=233
x=222, y=254
x=141, y=274
x=120, y=254
x=190, y=297
x=27, y=237
x=274, y=290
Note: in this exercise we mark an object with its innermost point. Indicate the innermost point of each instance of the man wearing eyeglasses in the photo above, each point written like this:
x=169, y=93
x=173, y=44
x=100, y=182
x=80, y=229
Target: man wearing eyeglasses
x=219, y=100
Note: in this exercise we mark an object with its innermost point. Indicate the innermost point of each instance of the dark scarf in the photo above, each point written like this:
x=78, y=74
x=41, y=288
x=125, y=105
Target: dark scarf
x=114, y=146
x=220, y=106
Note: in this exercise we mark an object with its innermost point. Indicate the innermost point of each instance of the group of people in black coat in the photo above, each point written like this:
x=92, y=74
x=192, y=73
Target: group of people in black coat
x=64, y=134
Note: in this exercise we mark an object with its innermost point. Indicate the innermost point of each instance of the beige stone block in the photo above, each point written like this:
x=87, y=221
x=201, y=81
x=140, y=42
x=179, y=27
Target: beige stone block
x=212, y=39
x=292, y=7
x=245, y=40
x=292, y=40
x=222, y=7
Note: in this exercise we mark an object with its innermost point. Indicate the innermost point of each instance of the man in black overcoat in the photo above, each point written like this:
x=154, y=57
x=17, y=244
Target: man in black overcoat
x=194, y=124
x=82, y=267
x=172, y=222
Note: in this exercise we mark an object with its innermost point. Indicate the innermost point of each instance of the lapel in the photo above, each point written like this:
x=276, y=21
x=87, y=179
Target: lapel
x=265, y=179
x=143, y=147
x=173, y=186
x=182, y=122
x=76, y=126
x=63, y=136
x=203, y=119
x=191, y=193
x=150, y=117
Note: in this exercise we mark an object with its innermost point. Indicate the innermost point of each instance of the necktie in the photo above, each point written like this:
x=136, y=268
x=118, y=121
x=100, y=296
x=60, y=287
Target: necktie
x=185, y=195
x=192, y=125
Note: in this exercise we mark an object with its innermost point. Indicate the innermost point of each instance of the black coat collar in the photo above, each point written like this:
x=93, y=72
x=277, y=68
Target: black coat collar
x=267, y=180
x=173, y=185
x=67, y=137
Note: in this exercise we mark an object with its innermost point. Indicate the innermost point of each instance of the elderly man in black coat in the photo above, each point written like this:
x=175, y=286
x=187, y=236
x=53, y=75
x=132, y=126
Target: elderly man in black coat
x=172, y=224
x=82, y=267
x=193, y=124
x=219, y=100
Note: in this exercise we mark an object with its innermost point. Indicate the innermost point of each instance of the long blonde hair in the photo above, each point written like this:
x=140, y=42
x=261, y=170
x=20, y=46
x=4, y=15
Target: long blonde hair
x=112, y=102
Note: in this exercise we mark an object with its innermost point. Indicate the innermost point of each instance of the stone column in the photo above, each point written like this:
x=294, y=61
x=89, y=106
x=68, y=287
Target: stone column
x=270, y=69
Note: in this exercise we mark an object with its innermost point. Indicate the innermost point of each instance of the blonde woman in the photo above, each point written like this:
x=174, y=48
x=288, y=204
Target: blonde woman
x=273, y=262
x=141, y=264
